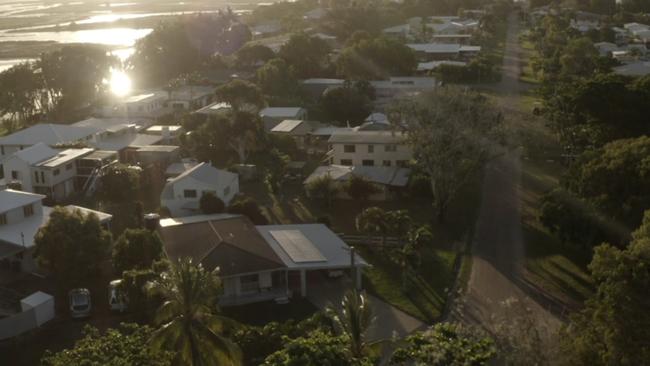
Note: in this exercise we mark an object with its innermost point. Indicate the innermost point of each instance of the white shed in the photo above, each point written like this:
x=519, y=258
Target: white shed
x=43, y=305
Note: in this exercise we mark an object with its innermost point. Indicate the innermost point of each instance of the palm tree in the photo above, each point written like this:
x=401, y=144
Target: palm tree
x=189, y=321
x=353, y=322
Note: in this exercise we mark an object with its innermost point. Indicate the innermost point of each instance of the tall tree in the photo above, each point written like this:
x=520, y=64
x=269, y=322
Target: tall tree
x=453, y=132
x=306, y=55
x=136, y=249
x=323, y=188
x=376, y=59
x=72, y=246
x=276, y=78
x=614, y=326
x=211, y=204
x=251, y=54
x=350, y=103
x=189, y=321
x=241, y=95
x=20, y=93
x=119, y=183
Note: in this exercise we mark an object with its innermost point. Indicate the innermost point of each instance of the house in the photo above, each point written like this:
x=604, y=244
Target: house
x=158, y=155
x=425, y=67
x=182, y=194
x=389, y=181
x=170, y=133
x=369, y=148
x=272, y=116
x=451, y=38
x=214, y=108
x=149, y=104
x=21, y=215
x=258, y=263
x=48, y=134
x=443, y=51
x=309, y=135
x=178, y=168
x=317, y=86
x=41, y=169
x=606, y=48
x=189, y=97
x=113, y=123
x=398, y=87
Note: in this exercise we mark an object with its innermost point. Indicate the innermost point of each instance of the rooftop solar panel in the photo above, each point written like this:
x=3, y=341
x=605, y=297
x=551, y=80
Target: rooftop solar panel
x=297, y=246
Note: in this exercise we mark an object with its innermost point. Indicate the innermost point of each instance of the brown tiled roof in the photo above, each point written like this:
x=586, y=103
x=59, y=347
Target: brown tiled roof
x=233, y=244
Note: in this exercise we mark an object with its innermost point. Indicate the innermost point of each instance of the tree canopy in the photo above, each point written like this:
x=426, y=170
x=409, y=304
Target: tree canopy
x=350, y=103
x=306, y=55
x=136, y=249
x=378, y=58
x=211, y=204
x=119, y=183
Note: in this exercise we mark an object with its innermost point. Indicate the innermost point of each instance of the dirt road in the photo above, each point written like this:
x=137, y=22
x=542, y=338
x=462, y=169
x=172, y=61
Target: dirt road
x=498, y=246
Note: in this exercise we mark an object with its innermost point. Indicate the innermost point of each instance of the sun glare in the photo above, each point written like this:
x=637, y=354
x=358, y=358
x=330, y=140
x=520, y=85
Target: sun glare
x=120, y=83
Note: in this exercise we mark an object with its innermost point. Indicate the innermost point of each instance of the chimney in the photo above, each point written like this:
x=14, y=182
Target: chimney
x=151, y=221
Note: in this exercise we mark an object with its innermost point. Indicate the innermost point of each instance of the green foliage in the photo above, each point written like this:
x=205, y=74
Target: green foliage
x=614, y=327
x=378, y=58
x=125, y=346
x=351, y=103
x=19, y=94
x=119, y=183
x=134, y=283
x=445, y=344
x=136, y=249
x=251, y=54
x=323, y=188
x=72, y=246
x=615, y=179
x=452, y=131
x=479, y=70
x=579, y=58
x=360, y=189
x=306, y=55
x=276, y=78
x=240, y=94
x=248, y=207
x=372, y=221
x=189, y=321
x=318, y=348
x=276, y=170
x=211, y=204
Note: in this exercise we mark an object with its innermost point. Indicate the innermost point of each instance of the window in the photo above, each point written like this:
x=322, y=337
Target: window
x=249, y=283
x=36, y=177
x=14, y=174
x=42, y=177
x=390, y=148
x=402, y=163
x=28, y=210
x=68, y=167
x=56, y=172
x=385, y=163
x=368, y=163
x=347, y=162
x=349, y=148
x=3, y=219
x=189, y=193
x=371, y=149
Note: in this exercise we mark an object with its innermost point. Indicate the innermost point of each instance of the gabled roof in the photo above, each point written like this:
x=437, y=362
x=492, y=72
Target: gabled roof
x=392, y=176
x=230, y=243
x=49, y=134
x=10, y=199
x=206, y=173
x=288, y=112
x=36, y=153
x=287, y=125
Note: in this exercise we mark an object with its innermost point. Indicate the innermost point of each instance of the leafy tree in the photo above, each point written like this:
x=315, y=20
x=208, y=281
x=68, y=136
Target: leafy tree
x=614, y=326
x=141, y=304
x=119, y=183
x=353, y=321
x=319, y=348
x=164, y=54
x=372, y=221
x=306, y=55
x=615, y=179
x=371, y=59
x=360, y=189
x=248, y=207
x=20, y=92
x=251, y=54
x=189, y=320
x=579, y=58
x=276, y=78
x=126, y=345
x=240, y=94
x=445, y=344
x=211, y=204
x=277, y=169
x=350, y=103
x=136, y=249
x=453, y=132
x=72, y=246
x=323, y=188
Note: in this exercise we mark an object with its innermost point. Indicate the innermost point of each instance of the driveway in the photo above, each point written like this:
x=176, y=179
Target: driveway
x=498, y=245
x=390, y=320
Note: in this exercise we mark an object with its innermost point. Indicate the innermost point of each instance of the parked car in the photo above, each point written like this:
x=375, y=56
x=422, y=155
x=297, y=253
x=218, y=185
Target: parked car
x=80, y=303
x=116, y=296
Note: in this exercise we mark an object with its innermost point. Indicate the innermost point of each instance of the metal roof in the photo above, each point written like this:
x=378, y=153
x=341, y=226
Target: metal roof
x=367, y=137
x=10, y=199
x=49, y=134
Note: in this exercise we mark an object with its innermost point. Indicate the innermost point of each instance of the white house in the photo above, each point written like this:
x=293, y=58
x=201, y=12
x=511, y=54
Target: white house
x=444, y=51
x=41, y=169
x=369, y=148
x=189, y=97
x=149, y=104
x=182, y=194
x=259, y=263
x=21, y=215
x=49, y=134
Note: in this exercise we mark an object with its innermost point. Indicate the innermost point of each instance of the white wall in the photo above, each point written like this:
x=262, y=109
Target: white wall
x=188, y=183
x=24, y=172
x=17, y=215
x=379, y=154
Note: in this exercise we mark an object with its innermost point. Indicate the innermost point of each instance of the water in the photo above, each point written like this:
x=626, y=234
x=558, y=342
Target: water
x=6, y=64
x=107, y=36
